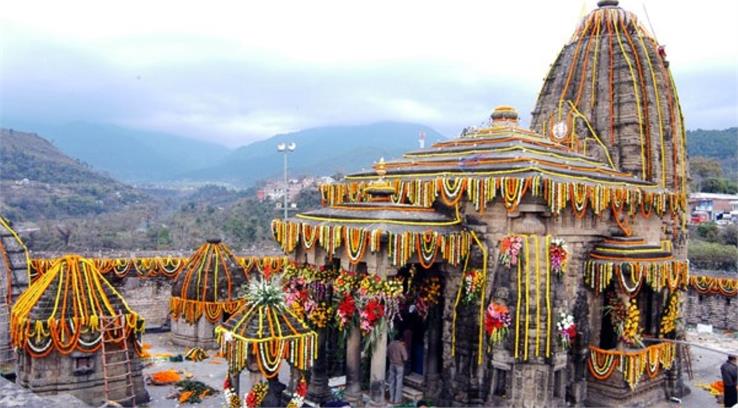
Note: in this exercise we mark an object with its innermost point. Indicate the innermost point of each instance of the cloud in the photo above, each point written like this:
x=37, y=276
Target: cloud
x=238, y=73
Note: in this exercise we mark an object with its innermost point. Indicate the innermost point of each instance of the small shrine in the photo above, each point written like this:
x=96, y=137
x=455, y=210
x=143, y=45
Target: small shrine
x=205, y=293
x=74, y=333
x=259, y=337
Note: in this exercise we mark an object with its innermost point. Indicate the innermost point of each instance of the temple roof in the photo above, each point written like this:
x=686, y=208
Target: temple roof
x=212, y=274
x=631, y=249
x=612, y=83
x=503, y=149
x=64, y=308
x=382, y=215
x=264, y=323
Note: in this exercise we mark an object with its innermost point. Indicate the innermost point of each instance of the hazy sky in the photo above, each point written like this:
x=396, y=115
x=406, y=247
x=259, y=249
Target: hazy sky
x=234, y=72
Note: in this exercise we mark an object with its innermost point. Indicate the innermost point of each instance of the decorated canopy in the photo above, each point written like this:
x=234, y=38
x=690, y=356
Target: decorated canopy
x=208, y=284
x=632, y=262
x=506, y=162
x=265, y=331
x=360, y=227
x=63, y=309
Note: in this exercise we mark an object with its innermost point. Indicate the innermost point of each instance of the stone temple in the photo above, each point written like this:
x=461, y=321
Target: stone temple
x=579, y=220
x=522, y=267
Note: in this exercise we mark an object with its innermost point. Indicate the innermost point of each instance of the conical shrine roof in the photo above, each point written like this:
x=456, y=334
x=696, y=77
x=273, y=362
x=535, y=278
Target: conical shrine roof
x=63, y=309
x=212, y=274
x=265, y=330
x=208, y=283
x=612, y=82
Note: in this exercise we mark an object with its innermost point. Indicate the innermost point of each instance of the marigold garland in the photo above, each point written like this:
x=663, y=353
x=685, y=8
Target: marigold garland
x=481, y=189
x=265, y=329
x=356, y=241
x=631, y=275
x=157, y=266
x=31, y=274
x=81, y=299
x=714, y=285
x=633, y=364
x=256, y=394
x=207, y=285
x=670, y=315
x=532, y=280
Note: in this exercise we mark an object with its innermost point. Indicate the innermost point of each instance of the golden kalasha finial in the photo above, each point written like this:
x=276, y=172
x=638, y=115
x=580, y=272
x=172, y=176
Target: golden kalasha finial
x=380, y=167
x=504, y=115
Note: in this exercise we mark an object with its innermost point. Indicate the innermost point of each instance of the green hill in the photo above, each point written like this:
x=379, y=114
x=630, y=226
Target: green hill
x=320, y=151
x=721, y=145
x=128, y=154
x=38, y=181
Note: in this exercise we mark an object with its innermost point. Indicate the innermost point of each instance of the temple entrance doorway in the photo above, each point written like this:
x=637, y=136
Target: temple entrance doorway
x=413, y=331
x=420, y=324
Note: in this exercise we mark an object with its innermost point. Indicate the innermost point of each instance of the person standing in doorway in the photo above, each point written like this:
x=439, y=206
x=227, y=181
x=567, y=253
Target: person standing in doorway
x=397, y=352
x=729, y=371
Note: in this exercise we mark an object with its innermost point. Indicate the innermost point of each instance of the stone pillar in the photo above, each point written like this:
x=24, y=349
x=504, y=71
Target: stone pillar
x=378, y=369
x=433, y=365
x=235, y=379
x=353, y=366
x=319, y=391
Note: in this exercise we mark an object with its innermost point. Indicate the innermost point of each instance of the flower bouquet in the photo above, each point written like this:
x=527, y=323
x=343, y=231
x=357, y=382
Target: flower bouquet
x=472, y=289
x=510, y=250
x=497, y=321
x=558, y=255
x=567, y=330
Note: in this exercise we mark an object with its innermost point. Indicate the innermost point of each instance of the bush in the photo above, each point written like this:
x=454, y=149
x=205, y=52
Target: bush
x=707, y=255
x=729, y=235
x=708, y=231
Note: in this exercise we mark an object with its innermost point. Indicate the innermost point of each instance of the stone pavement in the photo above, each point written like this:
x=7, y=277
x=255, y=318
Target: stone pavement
x=12, y=395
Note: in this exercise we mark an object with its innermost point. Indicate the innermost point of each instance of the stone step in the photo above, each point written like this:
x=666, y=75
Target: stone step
x=413, y=380
x=412, y=394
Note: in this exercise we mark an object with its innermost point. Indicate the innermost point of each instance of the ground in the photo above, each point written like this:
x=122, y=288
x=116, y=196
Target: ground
x=212, y=371
x=706, y=364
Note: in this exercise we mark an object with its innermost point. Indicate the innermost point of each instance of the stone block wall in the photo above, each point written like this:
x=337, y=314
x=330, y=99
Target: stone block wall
x=79, y=374
x=149, y=298
x=719, y=311
x=200, y=334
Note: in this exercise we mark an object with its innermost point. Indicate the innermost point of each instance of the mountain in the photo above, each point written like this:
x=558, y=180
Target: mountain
x=39, y=181
x=721, y=145
x=320, y=151
x=132, y=155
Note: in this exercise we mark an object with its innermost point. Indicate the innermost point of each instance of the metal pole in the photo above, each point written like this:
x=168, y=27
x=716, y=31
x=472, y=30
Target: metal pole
x=689, y=344
x=286, y=186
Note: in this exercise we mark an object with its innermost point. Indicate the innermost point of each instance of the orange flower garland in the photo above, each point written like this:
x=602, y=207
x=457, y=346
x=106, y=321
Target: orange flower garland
x=81, y=298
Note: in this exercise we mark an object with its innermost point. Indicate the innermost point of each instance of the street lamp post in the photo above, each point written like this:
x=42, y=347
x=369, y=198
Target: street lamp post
x=285, y=148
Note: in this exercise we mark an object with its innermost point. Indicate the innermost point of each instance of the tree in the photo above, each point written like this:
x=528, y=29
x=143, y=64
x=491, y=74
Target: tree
x=704, y=167
x=708, y=231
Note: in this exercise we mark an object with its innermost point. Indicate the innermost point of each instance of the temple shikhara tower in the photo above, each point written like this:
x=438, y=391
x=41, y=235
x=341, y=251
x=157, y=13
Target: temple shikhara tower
x=534, y=266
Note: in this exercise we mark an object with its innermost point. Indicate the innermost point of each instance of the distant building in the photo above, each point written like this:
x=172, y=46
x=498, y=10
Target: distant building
x=716, y=206
x=274, y=189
